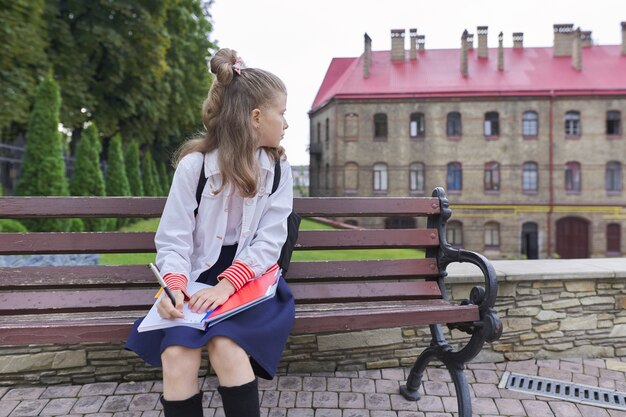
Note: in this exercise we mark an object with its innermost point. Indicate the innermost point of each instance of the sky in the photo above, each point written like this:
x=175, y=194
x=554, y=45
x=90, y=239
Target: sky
x=296, y=39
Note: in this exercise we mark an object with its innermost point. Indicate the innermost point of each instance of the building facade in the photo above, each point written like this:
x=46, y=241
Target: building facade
x=527, y=142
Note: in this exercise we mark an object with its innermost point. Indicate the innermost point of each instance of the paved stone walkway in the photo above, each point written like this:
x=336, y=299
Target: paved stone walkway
x=339, y=394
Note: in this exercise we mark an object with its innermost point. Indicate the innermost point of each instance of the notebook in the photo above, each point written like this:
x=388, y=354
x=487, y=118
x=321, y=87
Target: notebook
x=251, y=294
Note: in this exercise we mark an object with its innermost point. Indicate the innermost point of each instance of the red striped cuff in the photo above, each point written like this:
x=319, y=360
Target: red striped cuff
x=238, y=274
x=176, y=282
x=272, y=268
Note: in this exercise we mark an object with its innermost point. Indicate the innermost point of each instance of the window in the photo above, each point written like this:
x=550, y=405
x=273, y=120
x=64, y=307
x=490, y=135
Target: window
x=572, y=177
x=416, y=177
x=351, y=126
x=613, y=239
x=327, y=177
x=613, y=123
x=492, y=235
x=454, y=124
x=380, y=177
x=492, y=176
x=327, y=132
x=319, y=132
x=529, y=177
x=417, y=125
x=492, y=124
x=530, y=124
x=454, y=233
x=351, y=177
x=572, y=123
x=613, y=177
x=455, y=176
x=380, y=126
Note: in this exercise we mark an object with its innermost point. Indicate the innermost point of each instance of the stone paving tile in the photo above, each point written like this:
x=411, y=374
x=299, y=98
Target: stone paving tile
x=482, y=365
x=135, y=387
x=354, y=412
x=347, y=374
x=116, y=403
x=377, y=401
x=616, y=413
x=436, y=388
x=430, y=403
x=383, y=413
x=372, y=373
x=598, y=363
x=450, y=404
x=486, y=390
x=486, y=376
x=338, y=384
x=3, y=390
x=314, y=383
x=276, y=412
x=537, y=408
x=438, y=375
x=325, y=399
x=611, y=374
x=27, y=408
x=61, y=391
x=351, y=400
x=548, y=363
x=211, y=383
x=585, y=379
x=589, y=411
x=396, y=374
x=555, y=374
x=304, y=399
x=327, y=412
x=89, y=404
x=290, y=383
x=572, y=366
x=410, y=414
x=143, y=402
x=151, y=413
x=398, y=402
x=270, y=399
x=6, y=406
x=523, y=367
x=564, y=409
x=387, y=386
x=23, y=394
x=98, y=388
x=299, y=412
x=510, y=407
x=158, y=386
x=127, y=414
x=486, y=406
x=265, y=384
x=58, y=407
x=363, y=385
x=606, y=383
x=287, y=399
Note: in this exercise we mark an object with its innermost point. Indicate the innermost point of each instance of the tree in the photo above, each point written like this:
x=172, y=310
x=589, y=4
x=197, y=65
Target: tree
x=116, y=179
x=164, y=178
x=88, y=179
x=23, y=60
x=148, y=169
x=133, y=171
x=43, y=165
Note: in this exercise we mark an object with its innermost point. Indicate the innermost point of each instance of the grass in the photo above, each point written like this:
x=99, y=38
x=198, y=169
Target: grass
x=312, y=255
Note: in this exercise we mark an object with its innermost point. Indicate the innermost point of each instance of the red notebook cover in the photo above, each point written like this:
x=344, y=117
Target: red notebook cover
x=254, y=292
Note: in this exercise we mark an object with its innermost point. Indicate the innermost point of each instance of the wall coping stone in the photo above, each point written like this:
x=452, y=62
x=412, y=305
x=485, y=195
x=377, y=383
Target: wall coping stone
x=541, y=270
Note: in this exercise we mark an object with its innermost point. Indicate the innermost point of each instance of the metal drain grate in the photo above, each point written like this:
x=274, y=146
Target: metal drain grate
x=569, y=391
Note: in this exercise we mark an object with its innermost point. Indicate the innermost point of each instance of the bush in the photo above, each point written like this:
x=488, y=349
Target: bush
x=12, y=226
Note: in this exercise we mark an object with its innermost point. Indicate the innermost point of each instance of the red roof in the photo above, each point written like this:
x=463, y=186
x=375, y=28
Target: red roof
x=436, y=73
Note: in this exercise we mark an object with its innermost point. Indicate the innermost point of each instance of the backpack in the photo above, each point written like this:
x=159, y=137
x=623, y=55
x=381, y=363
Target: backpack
x=293, y=221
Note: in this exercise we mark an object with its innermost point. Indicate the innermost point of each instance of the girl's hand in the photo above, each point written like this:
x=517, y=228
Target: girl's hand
x=211, y=298
x=166, y=309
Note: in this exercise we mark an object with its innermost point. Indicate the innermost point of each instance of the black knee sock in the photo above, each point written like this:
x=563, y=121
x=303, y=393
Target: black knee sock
x=191, y=407
x=242, y=400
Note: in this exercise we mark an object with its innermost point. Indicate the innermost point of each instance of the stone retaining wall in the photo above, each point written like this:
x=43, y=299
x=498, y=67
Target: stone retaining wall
x=550, y=309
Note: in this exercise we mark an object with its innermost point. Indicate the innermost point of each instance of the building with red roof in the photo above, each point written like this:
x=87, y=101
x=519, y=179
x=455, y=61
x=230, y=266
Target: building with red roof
x=527, y=142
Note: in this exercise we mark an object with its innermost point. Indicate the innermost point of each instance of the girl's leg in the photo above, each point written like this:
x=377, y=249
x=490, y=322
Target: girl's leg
x=181, y=396
x=238, y=384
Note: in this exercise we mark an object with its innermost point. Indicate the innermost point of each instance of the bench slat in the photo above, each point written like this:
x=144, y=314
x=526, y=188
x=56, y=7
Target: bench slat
x=22, y=207
x=364, y=292
x=138, y=242
x=91, y=276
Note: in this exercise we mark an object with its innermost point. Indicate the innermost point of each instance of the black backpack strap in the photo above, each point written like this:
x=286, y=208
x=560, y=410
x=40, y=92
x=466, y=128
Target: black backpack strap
x=201, y=184
x=277, y=174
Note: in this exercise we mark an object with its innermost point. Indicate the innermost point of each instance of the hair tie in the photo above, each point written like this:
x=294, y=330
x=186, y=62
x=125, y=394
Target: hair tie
x=237, y=66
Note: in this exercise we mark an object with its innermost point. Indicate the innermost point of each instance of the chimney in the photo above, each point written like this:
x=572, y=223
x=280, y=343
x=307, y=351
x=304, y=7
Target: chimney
x=397, y=44
x=469, y=41
x=563, y=37
x=483, y=51
x=413, y=40
x=623, y=38
x=421, y=43
x=577, y=53
x=585, y=39
x=367, y=56
x=518, y=40
x=500, y=52
x=464, y=54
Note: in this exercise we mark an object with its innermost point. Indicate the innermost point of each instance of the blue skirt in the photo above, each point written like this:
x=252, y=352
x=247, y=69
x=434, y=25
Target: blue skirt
x=262, y=330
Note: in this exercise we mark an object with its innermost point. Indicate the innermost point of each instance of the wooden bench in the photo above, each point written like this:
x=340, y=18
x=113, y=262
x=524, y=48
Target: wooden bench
x=74, y=304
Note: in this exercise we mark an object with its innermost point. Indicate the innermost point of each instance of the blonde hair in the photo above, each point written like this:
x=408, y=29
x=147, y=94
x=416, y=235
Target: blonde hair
x=226, y=115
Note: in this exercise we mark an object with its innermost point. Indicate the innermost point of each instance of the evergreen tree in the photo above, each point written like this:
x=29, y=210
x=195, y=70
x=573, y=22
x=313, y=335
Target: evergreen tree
x=116, y=180
x=148, y=170
x=133, y=170
x=165, y=179
x=43, y=165
x=88, y=179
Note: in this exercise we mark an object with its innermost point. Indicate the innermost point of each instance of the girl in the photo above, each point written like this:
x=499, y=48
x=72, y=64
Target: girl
x=236, y=235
